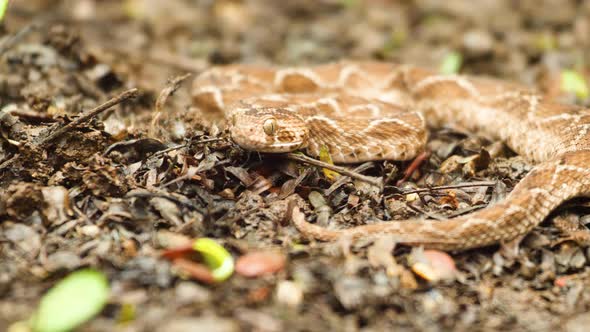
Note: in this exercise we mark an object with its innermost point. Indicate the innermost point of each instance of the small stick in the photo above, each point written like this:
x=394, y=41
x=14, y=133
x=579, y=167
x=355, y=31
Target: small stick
x=131, y=93
x=341, y=180
x=168, y=59
x=9, y=42
x=428, y=214
x=342, y=170
x=178, y=62
x=8, y=162
x=452, y=186
x=170, y=88
x=466, y=210
x=184, y=145
x=413, y=167
x=206, y=140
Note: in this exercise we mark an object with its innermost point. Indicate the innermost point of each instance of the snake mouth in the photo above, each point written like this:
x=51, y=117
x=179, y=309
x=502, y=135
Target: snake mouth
x=282, y=147
x=265, y=145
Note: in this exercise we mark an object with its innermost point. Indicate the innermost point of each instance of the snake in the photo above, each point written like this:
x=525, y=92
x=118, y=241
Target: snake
x=369, y=110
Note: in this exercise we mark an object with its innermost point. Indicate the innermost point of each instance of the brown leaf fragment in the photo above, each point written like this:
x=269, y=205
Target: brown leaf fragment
x=240, y=173
x=135, y=149
x=22, y=201
x=449, y=201
x=468, y=165
x=167, y=239
x=168, y=210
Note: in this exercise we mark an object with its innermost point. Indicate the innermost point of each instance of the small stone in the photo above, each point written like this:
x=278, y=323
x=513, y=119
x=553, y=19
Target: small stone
x=478, y=41
x=351, y=291
x=578, y=323
x=289, y=293
x=25, y=238
x=90, y=230
x=62, y=260
x=578, y=260
x=207, y=323
x=190, y=292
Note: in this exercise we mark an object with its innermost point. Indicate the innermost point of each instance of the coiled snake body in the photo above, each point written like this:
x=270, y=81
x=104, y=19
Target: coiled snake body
x=364, y=111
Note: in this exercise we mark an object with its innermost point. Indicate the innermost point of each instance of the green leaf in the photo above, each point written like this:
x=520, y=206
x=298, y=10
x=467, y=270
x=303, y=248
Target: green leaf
x=349, y=3
x=451, y=63
x=545, y=42
x=573, y=82
x=127, y=313
x=219, y=260
x=3, y=7
x=327, y=158
x=74, y=300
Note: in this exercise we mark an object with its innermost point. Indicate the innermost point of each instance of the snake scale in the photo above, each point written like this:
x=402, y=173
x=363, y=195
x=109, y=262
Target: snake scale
x=364, y=111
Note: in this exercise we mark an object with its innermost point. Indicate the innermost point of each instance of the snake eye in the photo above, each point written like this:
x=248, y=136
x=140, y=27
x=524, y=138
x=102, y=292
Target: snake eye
x=270, y=126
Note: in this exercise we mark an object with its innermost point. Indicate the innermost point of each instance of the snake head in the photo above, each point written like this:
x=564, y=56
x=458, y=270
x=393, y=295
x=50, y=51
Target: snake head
x=272, y=130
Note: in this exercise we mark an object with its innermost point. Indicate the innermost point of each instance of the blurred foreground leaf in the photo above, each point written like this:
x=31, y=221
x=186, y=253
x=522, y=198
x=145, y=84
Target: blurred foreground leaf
x=72, y=301
x=451, y=64
x=574, y=82
x=3, y=7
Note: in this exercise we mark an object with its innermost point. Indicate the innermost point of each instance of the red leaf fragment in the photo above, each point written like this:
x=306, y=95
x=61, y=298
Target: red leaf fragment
x=434, y=265
x=178, y=252
x=194, y=270
x=260, y=263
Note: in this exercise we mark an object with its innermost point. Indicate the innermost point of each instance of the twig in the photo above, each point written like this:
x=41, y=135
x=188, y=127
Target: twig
x=8, y=162
x=428, y=214
x=170, y=88
x=343, y=179
x=162, y=58
x=172, y=148
x=9, y=42
x=451, y=186
x=184, y=145
x=44, y=139
x=413, y=167
x=466, y=210
x=207, y=140
x=146, y=194
x=342, y=170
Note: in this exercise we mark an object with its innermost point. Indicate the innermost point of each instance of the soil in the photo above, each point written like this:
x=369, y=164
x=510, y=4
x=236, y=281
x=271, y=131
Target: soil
x=117, y=188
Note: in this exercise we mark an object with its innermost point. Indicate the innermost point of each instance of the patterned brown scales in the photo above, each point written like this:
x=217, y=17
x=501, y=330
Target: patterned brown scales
x=372, y=111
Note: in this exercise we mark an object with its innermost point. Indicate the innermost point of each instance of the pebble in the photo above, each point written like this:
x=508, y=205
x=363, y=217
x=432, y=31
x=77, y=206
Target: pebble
x=289, y=293
x=478, y=42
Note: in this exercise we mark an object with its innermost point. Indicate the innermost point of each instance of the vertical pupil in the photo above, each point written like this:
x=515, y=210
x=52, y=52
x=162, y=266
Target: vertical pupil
x=269, y=126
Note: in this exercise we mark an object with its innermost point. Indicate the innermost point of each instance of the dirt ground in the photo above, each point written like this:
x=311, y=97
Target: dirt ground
x=119, y=188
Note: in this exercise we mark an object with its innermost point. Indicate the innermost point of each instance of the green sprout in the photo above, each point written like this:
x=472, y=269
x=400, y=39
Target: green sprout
x=451, y=63
x=327, y=158
x=545, y=42
x=349, y=3
x=3, y=7
x=397, y=39
x=74, y=300
x=573, y=82
x=219, y=260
